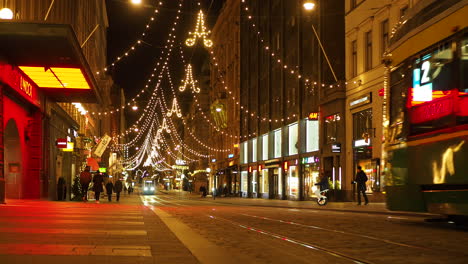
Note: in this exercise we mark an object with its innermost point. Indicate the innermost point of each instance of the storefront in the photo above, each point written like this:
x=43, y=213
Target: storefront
x=21, y=127
x=33, y=79
x=311, y=172
x=292, y=179
x=244, y=182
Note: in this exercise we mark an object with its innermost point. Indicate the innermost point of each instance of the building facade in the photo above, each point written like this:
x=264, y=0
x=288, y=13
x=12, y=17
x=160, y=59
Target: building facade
x=224, y=96
x=292, y=99
x=368, y=29
x=65, y=35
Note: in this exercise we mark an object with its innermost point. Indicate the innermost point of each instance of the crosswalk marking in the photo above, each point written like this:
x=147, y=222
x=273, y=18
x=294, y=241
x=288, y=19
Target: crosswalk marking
x=83, y=250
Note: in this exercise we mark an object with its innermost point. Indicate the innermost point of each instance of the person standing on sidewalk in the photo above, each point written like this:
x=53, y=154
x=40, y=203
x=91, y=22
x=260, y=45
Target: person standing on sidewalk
x=97, y=187
x=109, y=188
x=85, y=180
x=361, y=179
x=118, y=188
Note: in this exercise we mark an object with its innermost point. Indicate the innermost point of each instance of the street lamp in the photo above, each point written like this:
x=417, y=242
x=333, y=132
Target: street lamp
x=6, y=13
x=309, y=5
x=135, y=107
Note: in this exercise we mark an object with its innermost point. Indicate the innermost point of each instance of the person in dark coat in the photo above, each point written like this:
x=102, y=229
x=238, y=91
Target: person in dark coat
x=361, y=179
x=203, y=191
x=109, y=189
x=85, y=180
x=98, y=188
x=323, y=185
x=118, y=186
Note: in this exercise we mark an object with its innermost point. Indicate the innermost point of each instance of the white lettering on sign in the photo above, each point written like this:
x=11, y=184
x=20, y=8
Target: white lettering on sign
x=358, y=101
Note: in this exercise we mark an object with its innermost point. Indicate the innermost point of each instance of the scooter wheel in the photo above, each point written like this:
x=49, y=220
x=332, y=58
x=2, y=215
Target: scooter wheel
x=322, y=201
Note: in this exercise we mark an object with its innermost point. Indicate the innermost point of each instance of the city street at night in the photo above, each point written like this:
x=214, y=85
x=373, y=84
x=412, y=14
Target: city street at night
x=233, y=131
x=178, y=227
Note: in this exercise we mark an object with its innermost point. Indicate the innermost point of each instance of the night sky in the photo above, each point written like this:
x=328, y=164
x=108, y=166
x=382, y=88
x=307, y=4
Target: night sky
x=127, y=22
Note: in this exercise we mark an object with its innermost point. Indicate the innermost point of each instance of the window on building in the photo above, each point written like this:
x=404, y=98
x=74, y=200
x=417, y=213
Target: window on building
x=384, y=30
x=352, y=3
x=368, y=41
x=292, y=142
x=245, y=152
x=265, y=147
x=403, y=11
x=362, y=124
x=331, y=128
x=353, y=58
x=254, y=150
x=312, y=135
x=277, y=143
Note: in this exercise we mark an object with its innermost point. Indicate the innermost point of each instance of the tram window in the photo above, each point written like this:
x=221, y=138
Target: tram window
x=464, y=65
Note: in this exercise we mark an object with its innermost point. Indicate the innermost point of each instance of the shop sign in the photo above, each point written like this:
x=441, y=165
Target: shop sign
x=180, y=162
x=61, y=143
x=213, y=160
x=309, y=160
x=230, y=156
x=361, y=100
x=432, y=110
x=362, y=143
x=313, y=116
x=102, y=145
x=336, y=148
x=15, y=79
x=70, y=147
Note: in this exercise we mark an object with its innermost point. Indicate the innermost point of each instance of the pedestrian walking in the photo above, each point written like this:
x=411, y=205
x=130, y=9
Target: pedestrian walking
x=203, y=191
x=85, y=180
x=130, y=189
x=97, y=185
x=109, y=189
x=361, y=179
x=118, y=188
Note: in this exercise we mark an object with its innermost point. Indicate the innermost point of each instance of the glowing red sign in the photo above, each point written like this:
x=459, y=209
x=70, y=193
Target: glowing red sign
x=11, y=76
x=444, y=104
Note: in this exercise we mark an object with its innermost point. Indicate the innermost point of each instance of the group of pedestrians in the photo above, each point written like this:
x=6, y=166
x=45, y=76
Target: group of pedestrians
x=98, y=185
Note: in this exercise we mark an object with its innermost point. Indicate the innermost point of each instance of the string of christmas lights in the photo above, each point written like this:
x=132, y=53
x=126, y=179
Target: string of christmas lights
x=200, y=32
x=132, y=101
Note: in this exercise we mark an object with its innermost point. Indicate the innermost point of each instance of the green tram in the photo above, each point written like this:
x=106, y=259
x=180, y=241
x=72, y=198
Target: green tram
x=425, y=156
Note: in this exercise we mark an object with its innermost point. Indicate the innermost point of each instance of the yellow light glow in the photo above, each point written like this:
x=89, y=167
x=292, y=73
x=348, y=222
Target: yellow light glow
x=200, y=32
x=71, y=78
x=136, y=2
x=308, y=5
x=6, y=13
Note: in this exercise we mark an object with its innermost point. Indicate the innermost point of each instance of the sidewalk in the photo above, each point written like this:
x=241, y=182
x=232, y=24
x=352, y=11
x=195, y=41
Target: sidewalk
x=373, y=208
x=35, y=231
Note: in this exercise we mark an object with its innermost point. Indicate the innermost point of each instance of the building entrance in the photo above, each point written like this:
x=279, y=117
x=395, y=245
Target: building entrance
x=13, y=161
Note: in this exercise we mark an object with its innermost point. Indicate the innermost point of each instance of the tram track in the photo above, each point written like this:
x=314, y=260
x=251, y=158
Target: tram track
x=233, y=219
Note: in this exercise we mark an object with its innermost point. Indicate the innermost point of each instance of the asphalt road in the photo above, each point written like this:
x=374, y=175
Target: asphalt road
x=183, y=228
x=284, y=235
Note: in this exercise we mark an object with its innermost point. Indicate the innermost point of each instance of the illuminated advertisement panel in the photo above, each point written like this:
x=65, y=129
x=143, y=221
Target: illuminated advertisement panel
x=435, y=91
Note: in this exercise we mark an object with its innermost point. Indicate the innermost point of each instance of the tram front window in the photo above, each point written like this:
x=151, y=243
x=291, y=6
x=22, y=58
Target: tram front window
x=148, y=187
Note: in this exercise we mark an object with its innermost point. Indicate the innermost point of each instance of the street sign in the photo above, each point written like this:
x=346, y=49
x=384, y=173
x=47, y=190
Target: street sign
x=61, y=142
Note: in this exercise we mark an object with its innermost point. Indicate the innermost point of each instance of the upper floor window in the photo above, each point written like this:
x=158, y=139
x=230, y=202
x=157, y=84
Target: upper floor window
x=331, y=128
x=368, y=42
x=352, y=3
x=403, y=11
x=384, y=30
x=353, y=58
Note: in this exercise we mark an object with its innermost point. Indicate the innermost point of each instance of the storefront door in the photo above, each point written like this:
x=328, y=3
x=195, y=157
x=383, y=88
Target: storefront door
x=13, y=161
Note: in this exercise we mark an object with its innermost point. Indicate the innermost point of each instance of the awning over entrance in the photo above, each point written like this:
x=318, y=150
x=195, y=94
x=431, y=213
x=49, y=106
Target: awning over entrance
x=50, y=55
x=91, y=162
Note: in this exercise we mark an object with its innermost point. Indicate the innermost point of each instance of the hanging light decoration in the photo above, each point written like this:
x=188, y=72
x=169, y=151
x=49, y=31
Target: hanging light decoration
x=200, y=32
x=189, y=81
x=175, y=109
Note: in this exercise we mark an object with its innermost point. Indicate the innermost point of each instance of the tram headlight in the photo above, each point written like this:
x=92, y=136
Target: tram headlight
x=146, y=188
x=152, y=188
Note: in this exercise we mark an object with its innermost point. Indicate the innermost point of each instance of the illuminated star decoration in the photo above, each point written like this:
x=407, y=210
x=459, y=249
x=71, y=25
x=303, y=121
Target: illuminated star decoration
x=200, y=32
x=164, y=126
x=189, y=81
x=175, y=109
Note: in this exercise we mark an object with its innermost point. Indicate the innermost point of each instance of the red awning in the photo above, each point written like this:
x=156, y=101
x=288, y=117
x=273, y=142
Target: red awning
x=93, y=164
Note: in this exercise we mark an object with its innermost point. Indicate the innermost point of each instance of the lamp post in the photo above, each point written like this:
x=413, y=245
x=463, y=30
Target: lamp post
x=309, y=6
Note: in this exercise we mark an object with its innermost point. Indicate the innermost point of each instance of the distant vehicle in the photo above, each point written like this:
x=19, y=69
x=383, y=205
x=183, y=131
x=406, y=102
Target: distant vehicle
x=148, y=187
x=426, y=138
